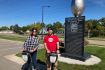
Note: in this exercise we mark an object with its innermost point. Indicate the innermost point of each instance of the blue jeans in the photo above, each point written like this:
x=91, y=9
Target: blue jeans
x=32, y=59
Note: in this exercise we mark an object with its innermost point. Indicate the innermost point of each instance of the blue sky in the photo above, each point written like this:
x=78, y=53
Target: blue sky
x=24, y=12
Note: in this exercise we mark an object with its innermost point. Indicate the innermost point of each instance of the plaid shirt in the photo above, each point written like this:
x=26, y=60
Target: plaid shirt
x=31, y=43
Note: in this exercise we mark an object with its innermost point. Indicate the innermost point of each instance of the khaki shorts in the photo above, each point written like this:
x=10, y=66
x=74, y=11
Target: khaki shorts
x=48, y=61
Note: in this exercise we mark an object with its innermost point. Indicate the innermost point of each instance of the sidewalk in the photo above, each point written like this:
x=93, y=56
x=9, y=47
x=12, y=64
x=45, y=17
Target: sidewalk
x=97, y=42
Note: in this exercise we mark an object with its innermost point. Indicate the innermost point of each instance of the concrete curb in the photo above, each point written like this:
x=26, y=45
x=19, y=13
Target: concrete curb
x=15, y=59
x=91, y=61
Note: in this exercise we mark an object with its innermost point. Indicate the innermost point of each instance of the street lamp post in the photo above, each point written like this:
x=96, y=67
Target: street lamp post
x=43, y=17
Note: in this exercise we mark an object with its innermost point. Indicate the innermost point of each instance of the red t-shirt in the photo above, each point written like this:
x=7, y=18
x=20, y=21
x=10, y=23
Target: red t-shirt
x=51, y=42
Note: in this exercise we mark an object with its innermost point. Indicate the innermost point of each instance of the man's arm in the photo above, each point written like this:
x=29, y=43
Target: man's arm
x=58, y=46
x=45, y=45
x=57, y=40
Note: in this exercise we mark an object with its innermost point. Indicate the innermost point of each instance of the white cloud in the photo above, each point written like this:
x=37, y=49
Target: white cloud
x=101, y=3
x=98, y=2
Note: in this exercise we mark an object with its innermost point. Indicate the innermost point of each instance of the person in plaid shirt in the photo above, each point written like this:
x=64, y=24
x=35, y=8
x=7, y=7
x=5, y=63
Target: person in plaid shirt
x=31, y=45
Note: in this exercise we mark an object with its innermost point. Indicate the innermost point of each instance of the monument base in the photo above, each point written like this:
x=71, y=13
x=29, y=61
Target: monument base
x=81, y=58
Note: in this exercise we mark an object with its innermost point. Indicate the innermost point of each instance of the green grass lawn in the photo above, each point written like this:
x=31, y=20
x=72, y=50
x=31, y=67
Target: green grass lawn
x=15, y=37
x=97, y=51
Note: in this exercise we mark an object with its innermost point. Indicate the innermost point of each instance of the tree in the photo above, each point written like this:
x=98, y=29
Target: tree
x=11, y=27
x=102, y=21
x=90, y=25
x=49, y=25
x=25, y=28
x=42, y=25
x=34, y=25
x=16, y=28
x=4, y=28
x=28, y=27
x=57, y=26
x=37, y=26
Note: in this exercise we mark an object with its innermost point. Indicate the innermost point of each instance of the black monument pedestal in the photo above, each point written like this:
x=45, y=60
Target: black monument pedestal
x=78, y=57
x=74, y=38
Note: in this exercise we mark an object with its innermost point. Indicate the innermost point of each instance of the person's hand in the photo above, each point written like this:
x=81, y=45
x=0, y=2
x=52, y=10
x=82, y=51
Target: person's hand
x=34, y=49
x=31, y=51
x=58, y=51
x=23, y=49
x=48, y=51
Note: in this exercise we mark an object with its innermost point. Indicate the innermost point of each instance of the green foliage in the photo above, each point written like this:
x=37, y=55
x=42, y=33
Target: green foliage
x=102, y=21
x=13, y=37
x=38, y=26
x=42, y=25
x=95, y=28
x=57, y=26
x=49, y=25
x=4, y=28
x=16, y=28
x=29, y=27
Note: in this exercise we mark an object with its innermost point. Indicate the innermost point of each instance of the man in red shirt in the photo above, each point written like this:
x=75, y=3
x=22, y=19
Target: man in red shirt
x=51, y=43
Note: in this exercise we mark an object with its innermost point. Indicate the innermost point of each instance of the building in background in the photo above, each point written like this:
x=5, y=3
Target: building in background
x=43, y=30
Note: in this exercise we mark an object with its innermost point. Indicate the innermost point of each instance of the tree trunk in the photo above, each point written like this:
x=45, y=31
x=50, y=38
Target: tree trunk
x=88, y=33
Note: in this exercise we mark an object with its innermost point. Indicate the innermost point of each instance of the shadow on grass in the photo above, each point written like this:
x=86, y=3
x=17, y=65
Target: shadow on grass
x=40, y=66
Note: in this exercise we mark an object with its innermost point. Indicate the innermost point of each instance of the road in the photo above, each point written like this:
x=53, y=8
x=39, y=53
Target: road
x=7, y=48
x=97, y=42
